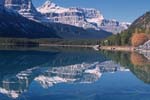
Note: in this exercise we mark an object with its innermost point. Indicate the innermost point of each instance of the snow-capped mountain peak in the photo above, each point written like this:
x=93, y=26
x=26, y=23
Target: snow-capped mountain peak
x=87, y=18
x=49, y=4
x=25, y=8
x=49, y=7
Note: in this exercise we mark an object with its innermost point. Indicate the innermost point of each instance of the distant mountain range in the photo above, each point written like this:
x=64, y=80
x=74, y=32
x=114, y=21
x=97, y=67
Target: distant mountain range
x=86, y=18
x=13, y=24
x=21, y=19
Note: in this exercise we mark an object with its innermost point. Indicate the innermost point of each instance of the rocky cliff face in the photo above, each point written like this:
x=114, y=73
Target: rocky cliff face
x=25, y=8
x=87, y=18
x=145, y=46
x=80, y=17
x=114, y=26
x=70, y=16
x=56, y=21
x=14, y=25
x=73, y=16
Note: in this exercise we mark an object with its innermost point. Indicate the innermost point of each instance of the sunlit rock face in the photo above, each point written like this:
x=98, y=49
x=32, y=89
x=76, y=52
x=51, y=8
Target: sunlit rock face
x=87, y=18
x=24, y=7
x=71, y=16
x=145, y=46
x=80, y=17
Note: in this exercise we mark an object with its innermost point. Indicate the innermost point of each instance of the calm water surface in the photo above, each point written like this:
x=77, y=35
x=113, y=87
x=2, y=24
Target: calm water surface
x=73, y=74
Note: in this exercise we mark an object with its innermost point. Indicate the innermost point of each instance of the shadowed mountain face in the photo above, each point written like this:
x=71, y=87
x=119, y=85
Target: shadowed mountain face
x=26, y=9
x=14, y=25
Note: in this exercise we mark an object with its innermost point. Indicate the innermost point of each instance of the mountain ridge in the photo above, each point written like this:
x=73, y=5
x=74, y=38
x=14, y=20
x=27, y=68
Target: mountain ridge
x=27, y=10
x=137, y=34
x=22, y=27
x=80, y=17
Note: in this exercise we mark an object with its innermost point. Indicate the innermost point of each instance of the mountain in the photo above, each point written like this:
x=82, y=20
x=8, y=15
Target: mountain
x=141, y=26
x=143, y=47
x=114, y=26
x=71, y=16
x=72, y=32
x=26, y=9
x=14, y=25
x=142, y=23
x=136, y=35
x=80, y=17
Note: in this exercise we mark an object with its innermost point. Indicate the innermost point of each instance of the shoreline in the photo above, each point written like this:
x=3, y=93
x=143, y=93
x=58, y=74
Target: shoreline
x=57, y=45
x=118, y=48
x=95, y=47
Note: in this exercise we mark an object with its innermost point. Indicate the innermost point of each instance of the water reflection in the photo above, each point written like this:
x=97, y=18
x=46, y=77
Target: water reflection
x=137, y=62
x=24, y=73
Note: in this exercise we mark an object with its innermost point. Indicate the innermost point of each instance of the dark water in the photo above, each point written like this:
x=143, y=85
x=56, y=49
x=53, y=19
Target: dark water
x=73, y=74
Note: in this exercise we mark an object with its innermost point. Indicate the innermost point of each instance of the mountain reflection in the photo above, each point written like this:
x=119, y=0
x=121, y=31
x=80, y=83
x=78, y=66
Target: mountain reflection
x=138, y=59
x=51, y=67
x=20, y=69
x=137, y=62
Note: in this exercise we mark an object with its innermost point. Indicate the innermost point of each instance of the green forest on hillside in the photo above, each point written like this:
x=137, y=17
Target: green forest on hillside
x=138, y=33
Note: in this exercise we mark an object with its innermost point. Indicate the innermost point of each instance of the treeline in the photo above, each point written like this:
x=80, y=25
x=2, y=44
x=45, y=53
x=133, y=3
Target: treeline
x=17, y=42
x=137, y=34
x=36, y=42
x=121, y=39
x=131, y=37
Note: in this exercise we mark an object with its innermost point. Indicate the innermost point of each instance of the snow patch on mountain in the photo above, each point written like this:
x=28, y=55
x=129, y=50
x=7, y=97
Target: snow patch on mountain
x=25, y=8
x=12, y=94
x=80, y=17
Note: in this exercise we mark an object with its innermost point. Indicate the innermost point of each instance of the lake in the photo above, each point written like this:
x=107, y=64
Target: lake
x=73, y=74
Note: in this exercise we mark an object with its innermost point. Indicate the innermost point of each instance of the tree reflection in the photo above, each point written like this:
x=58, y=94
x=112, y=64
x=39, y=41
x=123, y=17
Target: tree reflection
x=138, y=64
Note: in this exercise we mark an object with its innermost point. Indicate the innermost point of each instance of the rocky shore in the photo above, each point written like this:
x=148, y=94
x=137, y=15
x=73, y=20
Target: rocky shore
x=118, y=48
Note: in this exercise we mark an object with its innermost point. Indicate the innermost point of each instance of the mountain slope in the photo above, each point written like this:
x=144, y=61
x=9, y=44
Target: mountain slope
x=80, y=17
x=24, y=28
x=25, y=8
x=71, y=16
x=14, y=25
x=65, y=31
x=72, y=32
x=142, y=23
x=137, y=33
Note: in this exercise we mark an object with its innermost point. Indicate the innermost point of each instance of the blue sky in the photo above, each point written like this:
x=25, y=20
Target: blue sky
x=122, y=10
